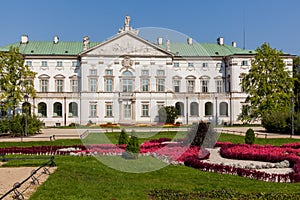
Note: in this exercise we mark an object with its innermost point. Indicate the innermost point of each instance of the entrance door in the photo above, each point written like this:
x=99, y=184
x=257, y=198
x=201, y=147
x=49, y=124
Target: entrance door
x=127, y=111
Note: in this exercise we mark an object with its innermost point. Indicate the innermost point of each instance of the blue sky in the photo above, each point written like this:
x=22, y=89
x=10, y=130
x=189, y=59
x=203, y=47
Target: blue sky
x=274, y=21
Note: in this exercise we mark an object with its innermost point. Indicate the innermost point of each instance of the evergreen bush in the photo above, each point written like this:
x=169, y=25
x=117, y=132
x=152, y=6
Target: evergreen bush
x=133, y=147
x=250, y=136
x=123, y=138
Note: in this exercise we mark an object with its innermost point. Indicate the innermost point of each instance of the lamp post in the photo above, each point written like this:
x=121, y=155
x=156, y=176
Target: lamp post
x=26, y=97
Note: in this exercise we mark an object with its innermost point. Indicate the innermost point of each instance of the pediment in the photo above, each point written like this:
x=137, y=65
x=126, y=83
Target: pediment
x=126, y=44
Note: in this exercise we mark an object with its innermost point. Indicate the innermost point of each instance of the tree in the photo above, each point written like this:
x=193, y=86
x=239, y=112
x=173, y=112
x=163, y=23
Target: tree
x=250, y=136
x=16, y=79
x=296, y=75
x=268, y=84
x=168, y=114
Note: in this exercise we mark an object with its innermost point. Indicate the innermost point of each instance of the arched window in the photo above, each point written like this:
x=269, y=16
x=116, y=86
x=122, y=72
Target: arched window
x=180, y=107
x=223, y=109
x=127, y=81
x=194, y=109
x=26, y=108
x=57, y=109
x=73, y=109
x=42, y=109
x=208, y=109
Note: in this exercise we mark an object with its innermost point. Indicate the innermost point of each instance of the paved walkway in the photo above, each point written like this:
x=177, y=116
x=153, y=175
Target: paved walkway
x=57, y=133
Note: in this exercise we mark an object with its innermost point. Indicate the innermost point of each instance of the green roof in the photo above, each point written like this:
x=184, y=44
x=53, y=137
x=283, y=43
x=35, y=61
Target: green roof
x=49, y=48
x=75, y=48
x=205, y=49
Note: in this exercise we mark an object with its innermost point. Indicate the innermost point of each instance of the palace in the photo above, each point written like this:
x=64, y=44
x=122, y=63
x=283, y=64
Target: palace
x=126, y=79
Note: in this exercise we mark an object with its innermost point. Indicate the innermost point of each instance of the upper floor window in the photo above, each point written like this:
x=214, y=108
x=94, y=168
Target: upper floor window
x=145, y=85
x=59, y=85
x=92, y=84
x=176, y=84
x=74, y=64
x=109, y=84
x=160, y=72
x=74, y=85
x=59, y=64
x=219, y=84
x=176, y=64
x=44, y=63
x=204, y=86
x=29, y=63
x=44, y=85
x=93, y=72
x=145, y=72
x=190, y=86
x=245, y=63
x=109, y=72
x=190, y=64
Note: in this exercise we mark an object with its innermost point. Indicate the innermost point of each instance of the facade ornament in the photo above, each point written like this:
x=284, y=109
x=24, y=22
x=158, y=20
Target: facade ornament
x=127, y=63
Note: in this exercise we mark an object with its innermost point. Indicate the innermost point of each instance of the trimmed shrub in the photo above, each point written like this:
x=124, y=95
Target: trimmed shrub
x=133, y=147
x=250, y=136
x=123, y=138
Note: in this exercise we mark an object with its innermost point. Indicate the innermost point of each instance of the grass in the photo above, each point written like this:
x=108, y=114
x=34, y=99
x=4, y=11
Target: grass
x=88, y=178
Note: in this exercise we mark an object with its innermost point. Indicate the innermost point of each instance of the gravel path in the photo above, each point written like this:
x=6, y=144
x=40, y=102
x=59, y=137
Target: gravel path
x=215, y=158
x=11, y=175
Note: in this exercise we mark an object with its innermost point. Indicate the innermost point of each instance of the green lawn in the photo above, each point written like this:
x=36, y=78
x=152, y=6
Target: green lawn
x=87, y=178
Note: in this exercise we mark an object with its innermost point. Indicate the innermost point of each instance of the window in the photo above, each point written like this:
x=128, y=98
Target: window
x=190, y=64
x=176, y=85
x=44, y=85
x=145, y=110
x=204, y=86
x=190, y=86
x=92, y=84
x=74, y=85
x=109, y=111
x=73, y=109
x=59, y=64
x=127, y=85
x=44, y=63
x=180, y=108
x=219, y=84
x=29, y=63
x=42, y=109
x=145, y=72
x=204, y=65
x=93, y=72
x=108, y=84
x=93, y=110
x=223, y=109
x=145, y=85
x=74, y=64
x=160, y=85
x=176, y=64
x=57, y=109
x=109, y=72
x=160, y=72
x=59, y=85
x=244, y=62
x=194, y=109
x=208, y=109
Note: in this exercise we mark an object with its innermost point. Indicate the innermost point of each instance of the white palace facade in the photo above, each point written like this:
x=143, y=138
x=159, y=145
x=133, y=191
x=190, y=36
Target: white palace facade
x=126, y=79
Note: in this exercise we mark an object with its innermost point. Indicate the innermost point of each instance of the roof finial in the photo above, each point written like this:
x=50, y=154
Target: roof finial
x=127, y=26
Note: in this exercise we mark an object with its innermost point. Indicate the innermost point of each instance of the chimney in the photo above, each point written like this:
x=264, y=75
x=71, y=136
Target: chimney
x=56, y=39
x=234, y=44
x=220, y=41
x=159, y=40
x=86, y=42
x=190, y=41
x=24, y=39
x=168, y=45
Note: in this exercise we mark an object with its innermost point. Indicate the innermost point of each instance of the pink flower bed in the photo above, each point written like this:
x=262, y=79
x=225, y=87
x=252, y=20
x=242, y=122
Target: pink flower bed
x=267, y=153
